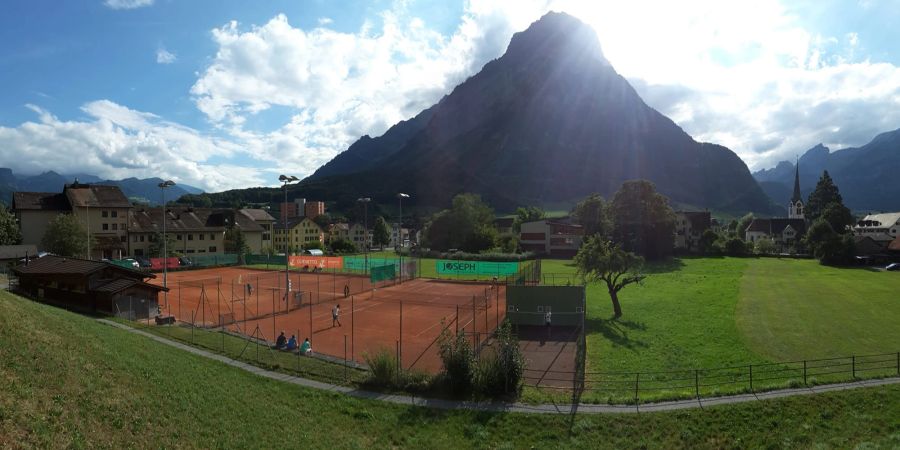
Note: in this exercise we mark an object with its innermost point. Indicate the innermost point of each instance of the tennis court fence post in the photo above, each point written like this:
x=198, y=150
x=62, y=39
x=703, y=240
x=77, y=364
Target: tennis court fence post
x=751, y=377
x=853, y=367
x=400, y=341
x=697, y=382
x=193, y=313
x=346, y=374
x=637, y=382
x=804, y=372
x=352, y=328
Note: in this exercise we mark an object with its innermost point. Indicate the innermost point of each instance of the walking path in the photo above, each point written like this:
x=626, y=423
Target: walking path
x=584, y=408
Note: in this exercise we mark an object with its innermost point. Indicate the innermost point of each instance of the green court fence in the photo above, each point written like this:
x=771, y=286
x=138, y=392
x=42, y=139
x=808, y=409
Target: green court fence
x=213, y=260
x=382, y=273
x=276, y=260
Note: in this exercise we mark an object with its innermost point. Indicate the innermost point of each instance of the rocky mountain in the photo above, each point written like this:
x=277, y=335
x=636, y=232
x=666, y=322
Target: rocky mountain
x=144, y=190
x=548, y=122
x=866, y=176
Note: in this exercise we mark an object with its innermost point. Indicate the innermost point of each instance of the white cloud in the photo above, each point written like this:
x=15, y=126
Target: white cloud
x=325, y=21
x=117, y=142
x=127, y=4
x=163, y=56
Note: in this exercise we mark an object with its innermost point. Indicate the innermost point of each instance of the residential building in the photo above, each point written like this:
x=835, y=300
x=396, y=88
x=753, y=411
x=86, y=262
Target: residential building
x=290, y=209
x=191, y=231
x=689, y=227
x=102, y=210
x=314, y=209
x=883, y=227
x=358, y=235
x=301, y=231
x=552, y=237
x=265, y=220
x=504, y=225
x=399, y=236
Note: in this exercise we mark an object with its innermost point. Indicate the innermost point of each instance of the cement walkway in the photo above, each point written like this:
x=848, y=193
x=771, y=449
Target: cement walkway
x=584, y=408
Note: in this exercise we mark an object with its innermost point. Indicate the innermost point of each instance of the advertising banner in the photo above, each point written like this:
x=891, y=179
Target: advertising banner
x=157, y=263
x=316, y=262
x=461, y=267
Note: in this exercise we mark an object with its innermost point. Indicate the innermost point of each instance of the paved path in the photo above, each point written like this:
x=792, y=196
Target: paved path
x=584, y=408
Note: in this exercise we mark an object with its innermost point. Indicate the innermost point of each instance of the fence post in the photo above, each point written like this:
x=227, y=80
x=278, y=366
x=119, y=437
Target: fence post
x=398, y=362
x=853, y=366
x=457, y=320
x=751, y=377
x=898, y=363
x=804, y=372
x=346, y=376
x=192, y=326
x=400, y=342
x=298, y=352
x=352, y=328
x=637, y=382
x=697, y=382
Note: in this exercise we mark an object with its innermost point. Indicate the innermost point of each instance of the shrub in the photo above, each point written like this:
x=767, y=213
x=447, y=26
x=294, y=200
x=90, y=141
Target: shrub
x=382, y=368
x=500, y=372
x=459, y=361
x=736, y=247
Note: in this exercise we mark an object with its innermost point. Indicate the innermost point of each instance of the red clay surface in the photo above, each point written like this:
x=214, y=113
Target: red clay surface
x=549, y=355
x=370, y=319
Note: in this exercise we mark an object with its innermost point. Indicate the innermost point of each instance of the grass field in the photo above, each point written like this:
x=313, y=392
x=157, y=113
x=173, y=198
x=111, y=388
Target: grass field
x=68, y=381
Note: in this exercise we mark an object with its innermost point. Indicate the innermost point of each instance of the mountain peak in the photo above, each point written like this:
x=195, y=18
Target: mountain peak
x=562, y=33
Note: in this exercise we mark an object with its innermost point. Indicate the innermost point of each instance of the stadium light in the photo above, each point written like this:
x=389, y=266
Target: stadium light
x=365, y=201
x=162, y=189
x=400, y=197
x=287, y=274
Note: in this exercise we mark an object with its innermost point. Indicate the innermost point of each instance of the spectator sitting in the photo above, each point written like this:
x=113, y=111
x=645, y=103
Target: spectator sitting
x=306, y=348
x=281, y=341
x=291, y=343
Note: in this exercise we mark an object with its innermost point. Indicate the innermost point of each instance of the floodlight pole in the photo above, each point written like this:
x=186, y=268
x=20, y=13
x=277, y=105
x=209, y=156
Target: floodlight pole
x=162, y=189
x=400, y=197
x=365, y=201
x=287, y=274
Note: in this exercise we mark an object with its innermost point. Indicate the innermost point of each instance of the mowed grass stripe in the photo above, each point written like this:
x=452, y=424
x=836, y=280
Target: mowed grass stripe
x=797, y=309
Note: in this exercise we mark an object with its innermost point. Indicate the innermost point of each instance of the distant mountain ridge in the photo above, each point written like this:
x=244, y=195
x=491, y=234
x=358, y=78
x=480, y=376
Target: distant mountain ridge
x=867, y=175
x=549, y=121
x=144, y=190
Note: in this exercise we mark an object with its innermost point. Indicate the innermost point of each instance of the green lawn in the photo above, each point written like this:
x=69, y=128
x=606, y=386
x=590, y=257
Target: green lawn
x=68, y=381
x=794, y=309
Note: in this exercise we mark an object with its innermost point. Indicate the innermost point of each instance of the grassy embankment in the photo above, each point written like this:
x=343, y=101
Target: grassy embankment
x=68, y=381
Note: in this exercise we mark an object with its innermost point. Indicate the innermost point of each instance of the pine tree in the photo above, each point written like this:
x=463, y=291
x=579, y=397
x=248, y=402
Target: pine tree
x=825, y=193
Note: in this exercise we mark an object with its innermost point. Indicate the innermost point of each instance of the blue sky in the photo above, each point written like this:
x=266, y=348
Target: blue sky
x=226, y=94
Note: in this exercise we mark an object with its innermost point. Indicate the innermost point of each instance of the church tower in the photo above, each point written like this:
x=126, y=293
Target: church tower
x=795, y=209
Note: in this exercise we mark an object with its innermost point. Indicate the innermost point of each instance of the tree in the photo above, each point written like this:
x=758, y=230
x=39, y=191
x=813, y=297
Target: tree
x=736, y=247
x=740, y=229
x=839, y=217
x=66, y=237
x=343, y=245
x=708, y=241
x=323, y=220
x=467, y=225
x=827, y=245
x=643, y=222
x=600, y=260
x=381, y=235
x=9, y=229
x=592, y=214
x=764, y=246
x=526, y=214
x=825, y=193
x=236, y=242
x=156, y=248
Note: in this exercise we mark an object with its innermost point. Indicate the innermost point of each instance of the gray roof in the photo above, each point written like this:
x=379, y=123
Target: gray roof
x=35, y=201
x=149, y=220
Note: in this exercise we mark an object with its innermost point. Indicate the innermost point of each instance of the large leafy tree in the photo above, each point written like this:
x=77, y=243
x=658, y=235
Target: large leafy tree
x=825, y=193
x=65, y=236
x=740, y=227
x=381, y=235
x=839, y=217
x=643, y=221
x=526, y=214
x=235, y=241
x=827, y=245
x=9, y=229
x=591, y=213
x=156, y=245
x=467, y=225
x=600, y=260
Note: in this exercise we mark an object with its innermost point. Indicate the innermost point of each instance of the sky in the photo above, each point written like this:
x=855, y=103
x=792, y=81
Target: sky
x=229, y=93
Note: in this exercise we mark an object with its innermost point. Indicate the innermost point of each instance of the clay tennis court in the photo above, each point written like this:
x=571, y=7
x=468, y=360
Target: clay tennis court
x=403, y=318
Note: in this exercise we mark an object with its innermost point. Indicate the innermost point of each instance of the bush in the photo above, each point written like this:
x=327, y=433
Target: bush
x=736, y=247
x=382, y=368
x=459, y=361
x=500, y=372
x=342, y=245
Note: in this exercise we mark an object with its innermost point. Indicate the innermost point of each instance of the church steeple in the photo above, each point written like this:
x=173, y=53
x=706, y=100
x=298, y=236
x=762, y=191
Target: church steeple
x=795, y=209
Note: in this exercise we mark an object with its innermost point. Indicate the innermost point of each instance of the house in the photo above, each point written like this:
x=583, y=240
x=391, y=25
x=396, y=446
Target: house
x=882, y=227
x=866, y=246
x=301, y=231
x=265, y=220
x=191, y=231
x=689, y=227
x=551, y=237
x=504, y=225
x=102, y=210
x=399, y=236
x=86, y=285
x=785, y=232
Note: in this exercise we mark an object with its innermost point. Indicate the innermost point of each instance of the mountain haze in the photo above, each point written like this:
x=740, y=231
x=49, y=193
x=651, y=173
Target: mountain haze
x=866, y=176
x=548, y=122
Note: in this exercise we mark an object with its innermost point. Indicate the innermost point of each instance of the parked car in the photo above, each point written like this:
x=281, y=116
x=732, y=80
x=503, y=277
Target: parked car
x=893, y=267
x=133, y=262
x=184, y=261
x=143, y=262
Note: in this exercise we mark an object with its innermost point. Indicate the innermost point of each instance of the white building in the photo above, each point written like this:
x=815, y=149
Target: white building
x=880, y=227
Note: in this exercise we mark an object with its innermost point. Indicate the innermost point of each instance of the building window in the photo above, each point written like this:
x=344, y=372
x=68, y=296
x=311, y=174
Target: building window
x=190, y=250
x=212, y=237
x=540, y=309
x=190, y=237
x=124, y=239
x=178, y=236
x=212, y=249
x=142, y=238
x=202, y=236
x=113, y=214
x=105, y=226
x=115, y=226
x=134, y=238
x=104, y=213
